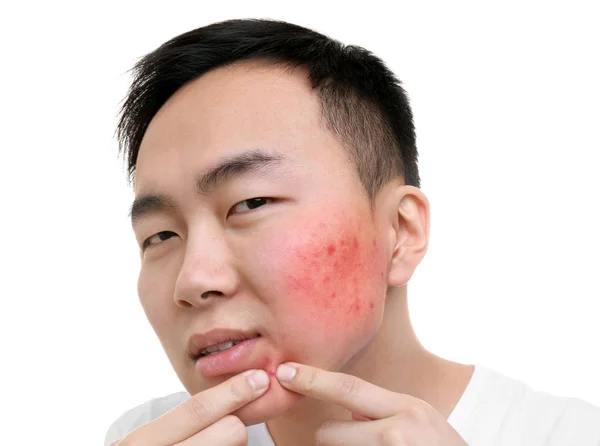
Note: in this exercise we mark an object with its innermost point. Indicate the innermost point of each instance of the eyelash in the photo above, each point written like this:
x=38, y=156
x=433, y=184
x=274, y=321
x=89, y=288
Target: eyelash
x=266, y=199
x=147, y=242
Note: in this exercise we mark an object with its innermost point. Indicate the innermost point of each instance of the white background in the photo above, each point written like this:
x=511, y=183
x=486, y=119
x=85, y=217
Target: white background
x=507, y=108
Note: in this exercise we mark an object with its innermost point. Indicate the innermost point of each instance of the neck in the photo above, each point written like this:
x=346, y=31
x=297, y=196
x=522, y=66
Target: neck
x=394, y=360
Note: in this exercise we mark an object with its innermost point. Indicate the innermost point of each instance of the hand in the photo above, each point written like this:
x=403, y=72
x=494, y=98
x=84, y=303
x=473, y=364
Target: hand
x=205, y=418
x=379, y=416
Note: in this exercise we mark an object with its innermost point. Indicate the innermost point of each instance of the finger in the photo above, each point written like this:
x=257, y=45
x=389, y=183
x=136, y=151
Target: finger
x=393, y=431
x=350, y=392
x=200, y=411
x=228, y=431
x=347, y=433
x=358, y=417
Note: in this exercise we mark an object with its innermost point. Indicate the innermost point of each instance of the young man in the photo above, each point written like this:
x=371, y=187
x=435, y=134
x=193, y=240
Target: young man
x=279, y=218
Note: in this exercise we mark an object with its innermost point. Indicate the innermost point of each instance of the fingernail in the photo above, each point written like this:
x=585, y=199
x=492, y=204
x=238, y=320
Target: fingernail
x=285, y=372
x=258, y=379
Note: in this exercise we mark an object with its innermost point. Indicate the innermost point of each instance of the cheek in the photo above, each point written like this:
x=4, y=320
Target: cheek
x=155, y=286
x=333, y=280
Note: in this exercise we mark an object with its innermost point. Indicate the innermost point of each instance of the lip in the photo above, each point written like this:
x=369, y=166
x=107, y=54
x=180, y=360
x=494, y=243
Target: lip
x=234, y=360
x=199, y=342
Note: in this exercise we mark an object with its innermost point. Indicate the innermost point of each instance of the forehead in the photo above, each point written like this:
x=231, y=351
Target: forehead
x=245, y=106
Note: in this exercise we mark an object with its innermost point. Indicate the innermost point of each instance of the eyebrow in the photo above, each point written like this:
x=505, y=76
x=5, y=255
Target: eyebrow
x=235, y=166
x=224, y=171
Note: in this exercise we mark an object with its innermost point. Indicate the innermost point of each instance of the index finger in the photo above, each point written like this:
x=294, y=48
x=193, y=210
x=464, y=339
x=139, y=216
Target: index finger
x=350, y=392
x=202, y=409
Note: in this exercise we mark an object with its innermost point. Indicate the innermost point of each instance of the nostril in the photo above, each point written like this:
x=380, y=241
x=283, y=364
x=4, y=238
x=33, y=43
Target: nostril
x=213, y=293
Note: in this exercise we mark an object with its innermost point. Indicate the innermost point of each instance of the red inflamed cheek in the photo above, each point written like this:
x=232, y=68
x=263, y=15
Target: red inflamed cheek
x=330, y=274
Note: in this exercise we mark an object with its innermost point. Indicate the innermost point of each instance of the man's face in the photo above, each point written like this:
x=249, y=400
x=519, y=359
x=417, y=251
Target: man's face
x=282, y=243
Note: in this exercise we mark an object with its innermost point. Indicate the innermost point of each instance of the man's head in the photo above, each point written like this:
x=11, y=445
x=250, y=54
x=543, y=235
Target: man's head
x=360, y=100
x=269, y=165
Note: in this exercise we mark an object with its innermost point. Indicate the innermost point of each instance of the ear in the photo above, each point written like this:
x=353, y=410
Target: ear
x=408, y=232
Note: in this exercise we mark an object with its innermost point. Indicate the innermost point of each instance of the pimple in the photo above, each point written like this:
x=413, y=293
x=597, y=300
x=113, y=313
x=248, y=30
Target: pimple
x=326, y=279
x=270, y=367
x=371, y=305
x=331, y=250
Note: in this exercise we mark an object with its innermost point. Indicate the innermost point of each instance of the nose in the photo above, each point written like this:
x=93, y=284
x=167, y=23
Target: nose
x=207, y=272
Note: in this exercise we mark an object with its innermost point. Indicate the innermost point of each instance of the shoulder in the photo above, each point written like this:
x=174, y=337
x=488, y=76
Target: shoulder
x=576, y=422
x=554, y=421
x=142, y=414
x=510, y=412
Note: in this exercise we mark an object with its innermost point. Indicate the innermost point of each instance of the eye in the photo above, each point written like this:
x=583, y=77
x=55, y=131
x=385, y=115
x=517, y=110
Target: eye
x=248, y=205
x=157, y=238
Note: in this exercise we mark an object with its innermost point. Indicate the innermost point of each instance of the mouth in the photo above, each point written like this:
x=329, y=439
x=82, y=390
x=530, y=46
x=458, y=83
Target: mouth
x=216, y=341
x=223, y=346
x=229, y=357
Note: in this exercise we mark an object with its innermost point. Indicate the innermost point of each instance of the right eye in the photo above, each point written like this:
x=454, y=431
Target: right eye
x=157, y=238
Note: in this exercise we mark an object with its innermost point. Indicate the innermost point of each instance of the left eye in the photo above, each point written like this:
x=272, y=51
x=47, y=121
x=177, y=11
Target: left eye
x=248, y=205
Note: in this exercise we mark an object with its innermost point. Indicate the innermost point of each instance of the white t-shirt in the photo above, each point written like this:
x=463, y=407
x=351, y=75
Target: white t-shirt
x=493, y=410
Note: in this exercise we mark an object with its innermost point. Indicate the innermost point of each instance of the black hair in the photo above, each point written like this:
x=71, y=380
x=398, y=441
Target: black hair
x=362, y=102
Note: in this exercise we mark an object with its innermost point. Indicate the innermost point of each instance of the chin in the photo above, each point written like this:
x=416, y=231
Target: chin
x=274, y=403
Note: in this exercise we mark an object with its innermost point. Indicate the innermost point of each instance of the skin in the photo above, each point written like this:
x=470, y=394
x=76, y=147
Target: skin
x=315, y=266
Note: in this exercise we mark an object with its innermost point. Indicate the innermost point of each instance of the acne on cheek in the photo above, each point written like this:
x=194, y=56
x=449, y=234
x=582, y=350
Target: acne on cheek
x=330, y=276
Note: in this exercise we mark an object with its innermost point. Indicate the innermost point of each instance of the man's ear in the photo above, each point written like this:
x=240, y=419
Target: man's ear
x=408, y=232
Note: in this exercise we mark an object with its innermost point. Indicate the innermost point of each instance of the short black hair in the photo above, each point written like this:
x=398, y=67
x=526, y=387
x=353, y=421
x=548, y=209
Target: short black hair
x=362, y=102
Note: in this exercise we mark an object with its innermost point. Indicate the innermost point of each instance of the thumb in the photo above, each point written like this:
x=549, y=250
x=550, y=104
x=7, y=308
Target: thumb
x=355, y=417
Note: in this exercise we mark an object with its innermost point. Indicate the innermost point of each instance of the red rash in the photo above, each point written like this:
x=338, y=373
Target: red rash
x=331, y=274
x=270, y=366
